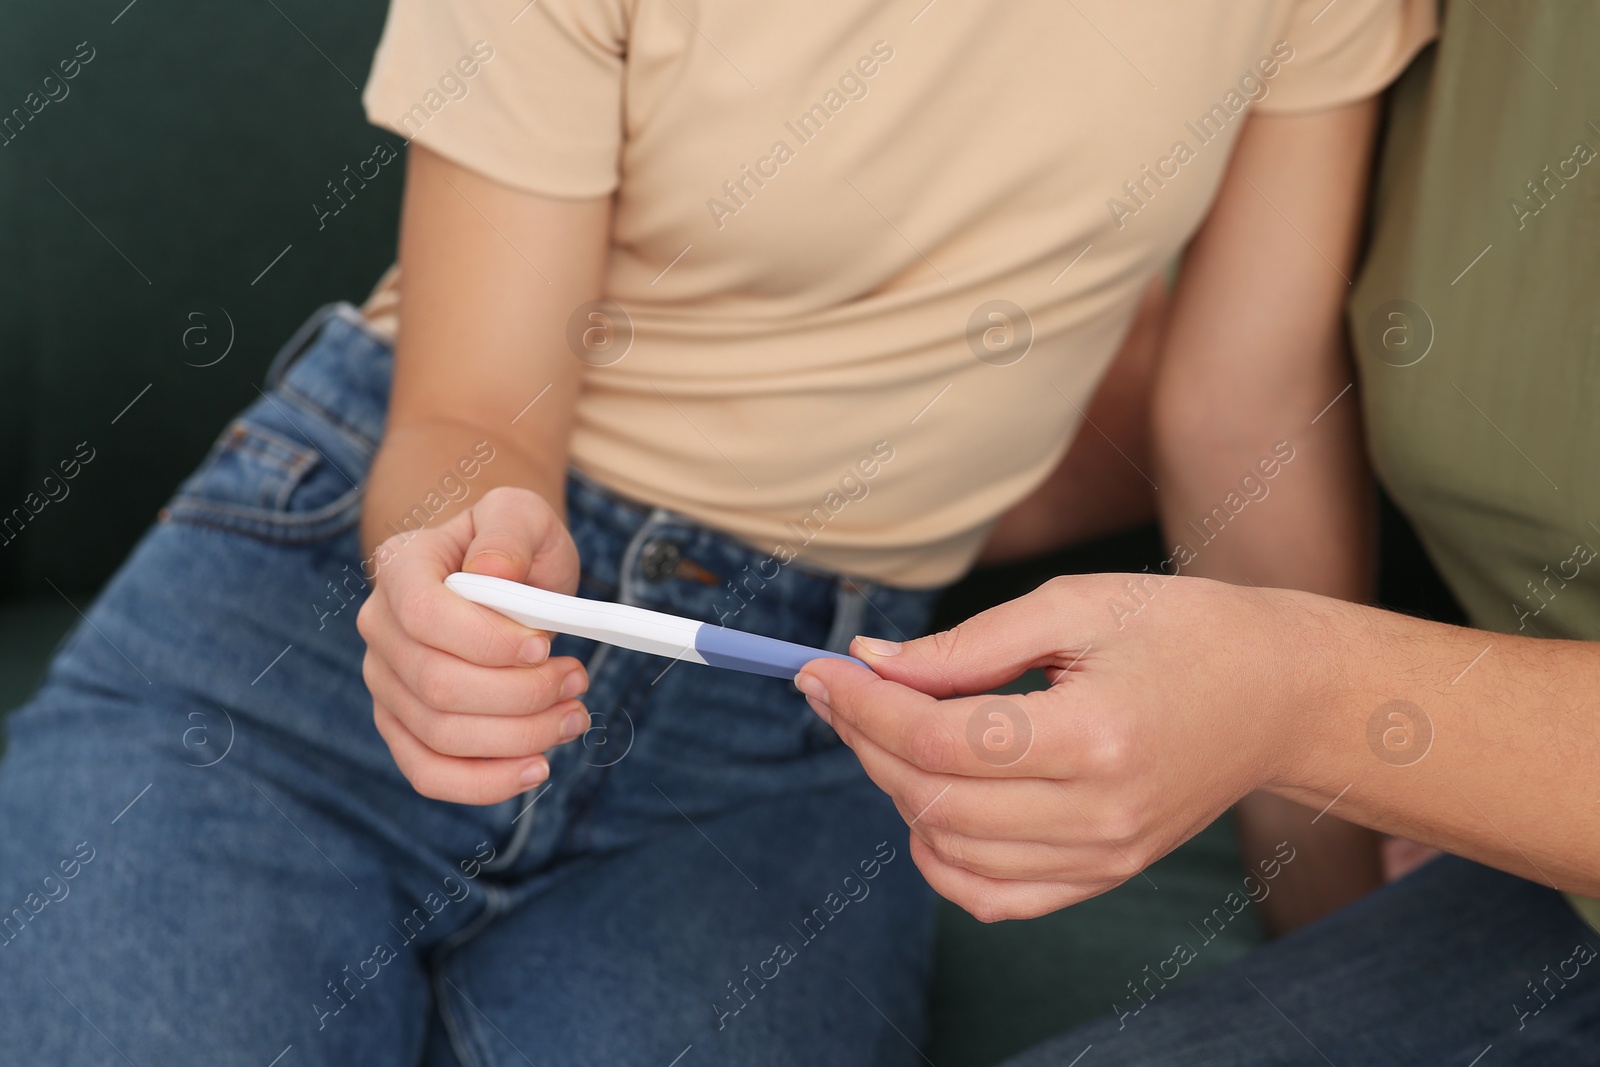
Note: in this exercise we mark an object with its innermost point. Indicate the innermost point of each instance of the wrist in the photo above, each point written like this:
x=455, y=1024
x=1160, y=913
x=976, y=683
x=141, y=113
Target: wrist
x=427, y=471
x=1302, y=636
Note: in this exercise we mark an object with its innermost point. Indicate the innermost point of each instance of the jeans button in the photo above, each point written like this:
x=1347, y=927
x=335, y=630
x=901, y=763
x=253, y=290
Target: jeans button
x=659, y=560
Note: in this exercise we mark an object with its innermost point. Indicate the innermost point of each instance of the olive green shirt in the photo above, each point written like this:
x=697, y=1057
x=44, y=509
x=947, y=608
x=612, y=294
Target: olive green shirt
x=1476, y=319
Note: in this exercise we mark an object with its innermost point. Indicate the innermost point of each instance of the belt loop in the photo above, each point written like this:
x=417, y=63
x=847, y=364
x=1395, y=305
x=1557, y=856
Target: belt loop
x=850, y=608
x=630, y=555
x=298, y=343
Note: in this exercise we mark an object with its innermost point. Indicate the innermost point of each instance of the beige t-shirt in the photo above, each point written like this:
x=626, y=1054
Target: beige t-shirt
x=875, y=257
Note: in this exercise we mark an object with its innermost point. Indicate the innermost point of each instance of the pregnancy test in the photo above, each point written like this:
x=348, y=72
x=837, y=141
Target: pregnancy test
x=640, y=629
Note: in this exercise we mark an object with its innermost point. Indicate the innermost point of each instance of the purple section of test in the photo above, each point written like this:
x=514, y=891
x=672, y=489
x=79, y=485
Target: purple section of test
x=754, y=654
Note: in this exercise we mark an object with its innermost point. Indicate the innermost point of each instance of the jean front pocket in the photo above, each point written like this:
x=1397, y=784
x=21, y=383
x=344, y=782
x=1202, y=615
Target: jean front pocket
x=268, y=477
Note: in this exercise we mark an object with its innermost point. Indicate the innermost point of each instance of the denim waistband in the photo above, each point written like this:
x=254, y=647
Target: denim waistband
x=654, y=558
x=631, y=551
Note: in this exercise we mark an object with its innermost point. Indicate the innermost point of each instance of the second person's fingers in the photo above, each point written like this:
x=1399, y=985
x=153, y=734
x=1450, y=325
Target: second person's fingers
x=992, y=899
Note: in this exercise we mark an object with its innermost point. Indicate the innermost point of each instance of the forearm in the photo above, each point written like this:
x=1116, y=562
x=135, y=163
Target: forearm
x=1257, y=494
x=1402, y=726
x=427, y=471
x=1256, y=442
x=485, y=388
x=1311, y=529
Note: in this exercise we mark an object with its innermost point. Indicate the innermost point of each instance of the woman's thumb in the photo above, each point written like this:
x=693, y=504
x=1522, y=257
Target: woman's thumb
x=509, y=530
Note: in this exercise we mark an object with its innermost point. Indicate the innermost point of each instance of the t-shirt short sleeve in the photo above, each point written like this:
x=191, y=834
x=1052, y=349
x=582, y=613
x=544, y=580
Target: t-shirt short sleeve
x=528, y=94
x=1345, y=50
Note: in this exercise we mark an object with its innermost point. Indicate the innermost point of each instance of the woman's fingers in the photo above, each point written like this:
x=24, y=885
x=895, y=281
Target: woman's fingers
x=453, y=778
x=448, y=683
x=453, y=733
x=466, y=699
x=412, y=603
x=511, y=533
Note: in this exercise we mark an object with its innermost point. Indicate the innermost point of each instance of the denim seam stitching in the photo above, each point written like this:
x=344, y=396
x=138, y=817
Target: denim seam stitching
x=520, y=834
x=289, y=520
x=457, y=1024
x=352, y=434
x=293, y=527
x=252, y=441
x=263, y=444
x=231, y=441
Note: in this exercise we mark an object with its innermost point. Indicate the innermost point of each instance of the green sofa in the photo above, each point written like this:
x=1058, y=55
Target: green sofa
x=160, y=236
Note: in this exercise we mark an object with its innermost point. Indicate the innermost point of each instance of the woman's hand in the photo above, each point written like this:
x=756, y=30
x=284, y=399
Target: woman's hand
x=1167, y=705
x=465, y=698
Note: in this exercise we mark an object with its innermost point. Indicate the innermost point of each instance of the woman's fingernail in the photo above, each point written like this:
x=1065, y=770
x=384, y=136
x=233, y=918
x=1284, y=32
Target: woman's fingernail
x=487, y=558
x=537, y=770
x=811, y=686
x=573, y=684
x=574, y=724
x=878, y=646
x=535, y=649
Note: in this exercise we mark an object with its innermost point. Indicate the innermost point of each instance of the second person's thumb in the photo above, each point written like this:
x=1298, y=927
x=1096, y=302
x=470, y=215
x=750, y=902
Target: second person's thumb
x=988, y=650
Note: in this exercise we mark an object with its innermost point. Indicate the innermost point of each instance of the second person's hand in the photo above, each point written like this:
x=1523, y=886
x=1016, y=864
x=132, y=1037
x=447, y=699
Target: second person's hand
x=1022, y=804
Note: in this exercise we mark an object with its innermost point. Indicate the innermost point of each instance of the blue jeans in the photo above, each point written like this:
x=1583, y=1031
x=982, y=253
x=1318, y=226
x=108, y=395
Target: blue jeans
x=1431, y=970
x=208, y=857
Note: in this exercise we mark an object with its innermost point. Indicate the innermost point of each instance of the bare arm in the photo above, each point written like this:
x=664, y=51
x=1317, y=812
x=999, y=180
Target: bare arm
x=1162, y=714
x=490, y=276
x=1254, y=356
x=1255, y=353
x=1497, y=764
x=1149, y=730
x=468, y=701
